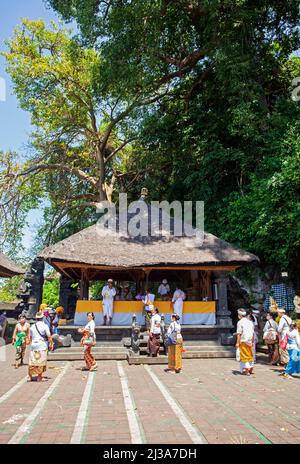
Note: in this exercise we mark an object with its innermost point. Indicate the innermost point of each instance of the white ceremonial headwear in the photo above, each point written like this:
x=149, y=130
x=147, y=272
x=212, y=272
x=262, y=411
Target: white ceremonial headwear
x=165, y=281
x=281, y=310
x=242, y=312
x=256, y=312
x=110, y=280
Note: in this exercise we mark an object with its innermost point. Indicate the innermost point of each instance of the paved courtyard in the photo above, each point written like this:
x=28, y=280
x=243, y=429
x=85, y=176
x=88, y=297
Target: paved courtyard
x=209, y=402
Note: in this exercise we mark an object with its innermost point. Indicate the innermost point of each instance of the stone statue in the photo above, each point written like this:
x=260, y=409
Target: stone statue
x=31, y=289
x=135, y=336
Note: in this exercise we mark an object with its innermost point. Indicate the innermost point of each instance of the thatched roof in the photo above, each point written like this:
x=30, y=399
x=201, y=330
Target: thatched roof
x=117, y=250
x=8, y=268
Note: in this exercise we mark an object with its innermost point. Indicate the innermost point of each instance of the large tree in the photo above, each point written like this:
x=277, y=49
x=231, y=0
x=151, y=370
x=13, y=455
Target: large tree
x=227, y=133
x=84, y=129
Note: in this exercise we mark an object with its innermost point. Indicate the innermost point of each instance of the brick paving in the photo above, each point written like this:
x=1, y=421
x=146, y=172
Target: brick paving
x=222, y=405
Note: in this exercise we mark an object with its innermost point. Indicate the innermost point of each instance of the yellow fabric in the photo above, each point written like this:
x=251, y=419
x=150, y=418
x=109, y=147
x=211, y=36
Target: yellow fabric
x=246, y=354
x=175, y=356
x=189, y=307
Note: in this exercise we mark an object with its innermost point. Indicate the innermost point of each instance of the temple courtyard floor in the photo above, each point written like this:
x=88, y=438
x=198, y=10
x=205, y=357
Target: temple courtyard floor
x=209, y=402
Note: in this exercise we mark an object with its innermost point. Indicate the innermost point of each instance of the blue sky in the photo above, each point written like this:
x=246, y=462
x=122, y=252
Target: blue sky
x=15, y=123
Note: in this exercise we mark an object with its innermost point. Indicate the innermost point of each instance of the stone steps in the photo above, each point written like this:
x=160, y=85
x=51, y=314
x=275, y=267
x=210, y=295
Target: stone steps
x=117, y=353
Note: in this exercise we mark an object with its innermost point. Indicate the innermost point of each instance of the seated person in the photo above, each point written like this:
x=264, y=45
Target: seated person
x=164, y=290
x=126, y=295
x=118, y=296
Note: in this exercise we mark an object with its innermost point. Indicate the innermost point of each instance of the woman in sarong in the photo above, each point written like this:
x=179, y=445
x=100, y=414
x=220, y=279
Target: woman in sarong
x=154, y=333
x=87, y=342
x=41, y=341
x=283, y=329
x=271, y=339
x=293, y=348
x=20, y=338
x=175, y=350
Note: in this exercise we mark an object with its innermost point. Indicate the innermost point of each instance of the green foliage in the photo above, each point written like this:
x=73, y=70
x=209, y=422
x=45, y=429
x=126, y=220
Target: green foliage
x=9, y=289
x=96, y=290
x=225, y=131
x=51, y=292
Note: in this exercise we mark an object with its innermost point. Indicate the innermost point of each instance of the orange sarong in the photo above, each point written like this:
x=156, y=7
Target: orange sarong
x=246, y=353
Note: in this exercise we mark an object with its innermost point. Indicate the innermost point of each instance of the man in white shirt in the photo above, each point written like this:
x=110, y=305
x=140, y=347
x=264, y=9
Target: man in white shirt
x=108, y=294
x=177, y=300
x=244, y=343
x=41, y=341
x=164, y=289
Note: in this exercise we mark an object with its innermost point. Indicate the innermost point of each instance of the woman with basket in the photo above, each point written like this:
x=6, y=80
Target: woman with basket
x=88, y=341
x=270, y=337
x=175, y=345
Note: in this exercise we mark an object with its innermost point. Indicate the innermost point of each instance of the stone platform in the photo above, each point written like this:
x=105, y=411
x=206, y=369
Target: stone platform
x=117, y=333
x=117, y=351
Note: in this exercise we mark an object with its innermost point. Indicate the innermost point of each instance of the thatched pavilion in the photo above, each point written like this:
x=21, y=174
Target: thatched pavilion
x=201, y=270
x=8, y=268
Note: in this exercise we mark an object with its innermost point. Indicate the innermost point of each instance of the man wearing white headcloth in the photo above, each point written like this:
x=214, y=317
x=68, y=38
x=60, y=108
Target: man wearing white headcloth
x=108, y=294
x=177, y=300
x=244, y=342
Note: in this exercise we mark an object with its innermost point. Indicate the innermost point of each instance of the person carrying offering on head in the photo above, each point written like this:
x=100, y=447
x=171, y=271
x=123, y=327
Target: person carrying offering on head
x=108, y=293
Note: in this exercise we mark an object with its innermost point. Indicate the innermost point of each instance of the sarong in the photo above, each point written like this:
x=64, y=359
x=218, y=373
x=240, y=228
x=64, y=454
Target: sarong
x=154, y=344
x=246, y=356
x=175, y=356
x=147, y=315
x=37, y=362
x=88, y=357
x=20, y=353
x=283, y=356
x=273, y=352
x=293, y=366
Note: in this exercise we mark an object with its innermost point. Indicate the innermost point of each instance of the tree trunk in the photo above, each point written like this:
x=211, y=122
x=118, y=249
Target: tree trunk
x=101, y=181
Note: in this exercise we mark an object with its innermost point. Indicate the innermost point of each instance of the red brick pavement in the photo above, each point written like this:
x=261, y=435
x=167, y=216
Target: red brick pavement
x=107, y=417
x=159, y=422
x=225, y=406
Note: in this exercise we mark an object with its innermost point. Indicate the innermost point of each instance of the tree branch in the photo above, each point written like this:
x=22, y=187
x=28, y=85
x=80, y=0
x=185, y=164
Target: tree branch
x=60, y=167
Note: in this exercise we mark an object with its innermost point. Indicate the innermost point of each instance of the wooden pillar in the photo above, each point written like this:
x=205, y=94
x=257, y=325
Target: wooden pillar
x=84, y=285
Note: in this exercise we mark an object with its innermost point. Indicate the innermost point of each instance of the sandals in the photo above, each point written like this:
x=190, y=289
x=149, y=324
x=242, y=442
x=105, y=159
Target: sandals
x=93, y=368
